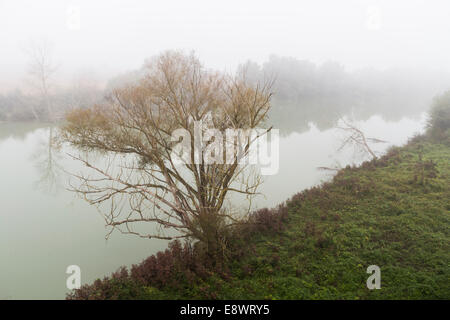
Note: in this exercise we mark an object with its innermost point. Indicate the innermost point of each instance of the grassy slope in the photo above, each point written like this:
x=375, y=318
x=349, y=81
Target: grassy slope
x=375, y=214
x=381, y=213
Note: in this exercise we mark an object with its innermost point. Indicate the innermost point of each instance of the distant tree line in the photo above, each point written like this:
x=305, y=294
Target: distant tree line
x=307, y=92
x=304, y=92
x=19, y=106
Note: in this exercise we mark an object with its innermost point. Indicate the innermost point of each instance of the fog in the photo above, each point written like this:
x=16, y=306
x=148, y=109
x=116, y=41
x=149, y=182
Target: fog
x=336, y=65
x=109, y=37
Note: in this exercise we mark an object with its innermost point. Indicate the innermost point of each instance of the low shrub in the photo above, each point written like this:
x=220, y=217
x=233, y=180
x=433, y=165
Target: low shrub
x=180, y=266
x=439, y=118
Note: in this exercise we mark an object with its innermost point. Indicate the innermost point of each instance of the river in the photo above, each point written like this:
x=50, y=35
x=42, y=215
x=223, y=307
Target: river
x=44, y=228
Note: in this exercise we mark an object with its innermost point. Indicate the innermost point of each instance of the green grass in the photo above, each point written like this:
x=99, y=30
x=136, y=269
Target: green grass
x=381, y=213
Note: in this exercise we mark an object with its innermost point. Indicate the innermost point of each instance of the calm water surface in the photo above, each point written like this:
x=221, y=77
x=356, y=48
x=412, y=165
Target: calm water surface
x=44, y=228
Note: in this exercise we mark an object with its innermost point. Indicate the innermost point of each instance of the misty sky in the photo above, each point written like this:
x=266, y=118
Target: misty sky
x=114, y=36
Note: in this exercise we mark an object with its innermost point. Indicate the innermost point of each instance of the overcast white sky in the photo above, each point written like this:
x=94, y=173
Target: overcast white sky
x=115, y=35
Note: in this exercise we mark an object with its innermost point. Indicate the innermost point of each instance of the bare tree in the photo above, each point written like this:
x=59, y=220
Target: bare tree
x=355, y=137
x=143, y=181
x=41, y=69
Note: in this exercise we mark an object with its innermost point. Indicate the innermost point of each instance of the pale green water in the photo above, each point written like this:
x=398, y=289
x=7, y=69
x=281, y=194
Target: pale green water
x=44, y=228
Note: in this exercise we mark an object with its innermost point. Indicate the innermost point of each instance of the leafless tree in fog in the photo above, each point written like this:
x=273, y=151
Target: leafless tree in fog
x=136, y=125
x=355, y=137
x=41, y=69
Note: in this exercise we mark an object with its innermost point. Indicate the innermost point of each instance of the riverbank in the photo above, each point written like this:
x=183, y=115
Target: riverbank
x=392, y=212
